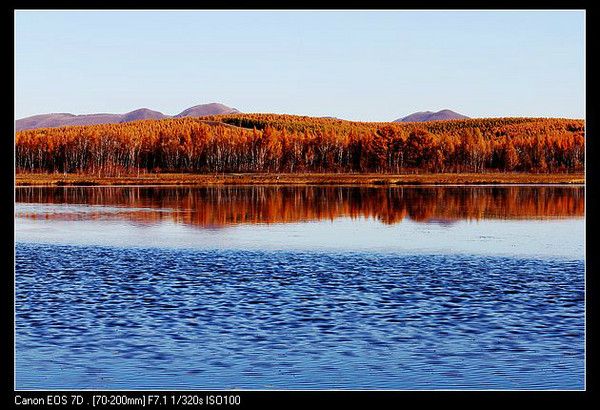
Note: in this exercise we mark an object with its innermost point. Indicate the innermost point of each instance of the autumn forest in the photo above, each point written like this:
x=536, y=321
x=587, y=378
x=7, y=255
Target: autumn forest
x=295, y=144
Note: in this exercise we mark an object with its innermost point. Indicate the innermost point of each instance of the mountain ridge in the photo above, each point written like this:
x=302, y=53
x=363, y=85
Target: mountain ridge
x=424, y=116
x=53, y=120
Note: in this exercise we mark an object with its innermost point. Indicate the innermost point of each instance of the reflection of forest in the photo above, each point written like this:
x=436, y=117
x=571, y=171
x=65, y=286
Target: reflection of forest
x=219, y=206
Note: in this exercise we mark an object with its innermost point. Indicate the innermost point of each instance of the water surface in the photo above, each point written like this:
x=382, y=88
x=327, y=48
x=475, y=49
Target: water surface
x=300, y=287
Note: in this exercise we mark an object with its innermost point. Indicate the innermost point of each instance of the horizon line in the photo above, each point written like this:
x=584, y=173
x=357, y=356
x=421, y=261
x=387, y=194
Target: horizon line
x=333, y=116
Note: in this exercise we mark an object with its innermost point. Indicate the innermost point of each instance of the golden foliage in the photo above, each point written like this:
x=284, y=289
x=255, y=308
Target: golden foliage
x=286, y=143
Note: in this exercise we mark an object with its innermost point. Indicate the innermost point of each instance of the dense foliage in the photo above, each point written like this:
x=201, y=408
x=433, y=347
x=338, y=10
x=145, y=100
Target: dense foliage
x=286, y=143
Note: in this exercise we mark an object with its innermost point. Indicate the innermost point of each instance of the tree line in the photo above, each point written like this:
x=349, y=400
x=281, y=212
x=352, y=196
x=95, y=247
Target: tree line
x=286, y=143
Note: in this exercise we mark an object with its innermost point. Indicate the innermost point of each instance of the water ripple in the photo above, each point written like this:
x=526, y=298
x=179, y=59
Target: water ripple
x=103, y=317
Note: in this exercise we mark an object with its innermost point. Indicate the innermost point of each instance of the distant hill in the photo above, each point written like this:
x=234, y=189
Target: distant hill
x=204, y=110
x=424, y=116
x=65, y=119
x=143, y=114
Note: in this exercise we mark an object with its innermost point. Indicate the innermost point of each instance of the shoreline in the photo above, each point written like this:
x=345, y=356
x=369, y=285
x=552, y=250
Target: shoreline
x=22, y=179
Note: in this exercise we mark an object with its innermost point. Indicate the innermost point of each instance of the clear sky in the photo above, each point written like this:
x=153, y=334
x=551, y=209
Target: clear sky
x=357, y=65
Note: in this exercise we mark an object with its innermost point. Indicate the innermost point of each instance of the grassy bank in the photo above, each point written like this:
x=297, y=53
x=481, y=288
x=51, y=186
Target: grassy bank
x=27, y=179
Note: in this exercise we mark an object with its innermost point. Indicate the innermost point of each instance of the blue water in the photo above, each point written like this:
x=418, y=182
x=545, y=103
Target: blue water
x=300, y=287
x=111, y=317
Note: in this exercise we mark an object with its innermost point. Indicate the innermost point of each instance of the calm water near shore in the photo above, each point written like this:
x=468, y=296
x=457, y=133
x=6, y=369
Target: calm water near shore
x=295, y=287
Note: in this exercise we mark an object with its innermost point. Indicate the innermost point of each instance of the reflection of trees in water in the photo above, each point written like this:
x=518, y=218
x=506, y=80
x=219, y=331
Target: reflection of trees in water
x=225, y=205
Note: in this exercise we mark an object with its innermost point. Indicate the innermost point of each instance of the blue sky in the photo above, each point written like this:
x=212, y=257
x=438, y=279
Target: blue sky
x=357, y=65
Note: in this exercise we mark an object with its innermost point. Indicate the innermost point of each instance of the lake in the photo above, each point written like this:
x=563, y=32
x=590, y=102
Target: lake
x=300, y=287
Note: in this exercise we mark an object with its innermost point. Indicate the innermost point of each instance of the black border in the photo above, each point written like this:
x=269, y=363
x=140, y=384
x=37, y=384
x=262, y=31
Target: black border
x=261, y=399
